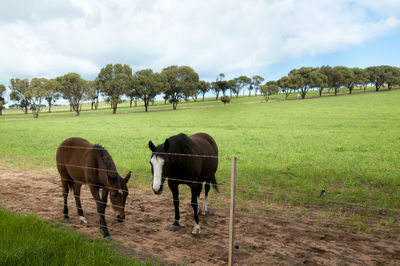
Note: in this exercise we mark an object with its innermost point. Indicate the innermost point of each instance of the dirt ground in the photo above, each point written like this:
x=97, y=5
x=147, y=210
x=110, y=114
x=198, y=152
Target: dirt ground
x=260, y=239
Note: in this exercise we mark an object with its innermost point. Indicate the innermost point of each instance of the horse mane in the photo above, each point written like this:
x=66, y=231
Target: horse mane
x=180, y=143
x=106, y=159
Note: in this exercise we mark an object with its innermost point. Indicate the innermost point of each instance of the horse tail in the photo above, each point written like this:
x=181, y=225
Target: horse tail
x=214, y=183
x=70, y=183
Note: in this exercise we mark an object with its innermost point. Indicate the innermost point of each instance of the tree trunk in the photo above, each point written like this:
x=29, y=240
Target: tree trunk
x=114, y=107
x=320, y=93
x=216, y=93
x=174, y=104
x=203, y=96
x=130, y=102
x=50, y=107
x=96, y=104
x=1, y=110
x=26, y=110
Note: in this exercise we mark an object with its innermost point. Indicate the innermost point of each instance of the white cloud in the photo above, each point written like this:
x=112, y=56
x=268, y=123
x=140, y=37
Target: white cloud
x=233, y=37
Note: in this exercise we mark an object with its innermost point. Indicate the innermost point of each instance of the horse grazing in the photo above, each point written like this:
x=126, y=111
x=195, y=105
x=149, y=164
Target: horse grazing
x=189, y=169
x=80, y=162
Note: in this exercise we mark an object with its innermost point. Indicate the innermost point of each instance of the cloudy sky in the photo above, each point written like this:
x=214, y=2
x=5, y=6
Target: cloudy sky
x=47, y=38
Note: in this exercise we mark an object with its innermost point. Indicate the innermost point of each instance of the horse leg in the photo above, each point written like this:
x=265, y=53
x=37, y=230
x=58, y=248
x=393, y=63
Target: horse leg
x=77, y=195
x=206, y=190
x=65, y=180
x=195, y=188
x=175, y=196
x=101, y=204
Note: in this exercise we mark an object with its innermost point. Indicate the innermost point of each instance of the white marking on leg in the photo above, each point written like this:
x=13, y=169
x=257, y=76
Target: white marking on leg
x=196, y=229
x=83, y=219
x=157, y=163
x=205, y=210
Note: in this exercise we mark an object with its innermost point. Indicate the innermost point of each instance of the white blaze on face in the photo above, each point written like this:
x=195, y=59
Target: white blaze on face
x=157, y=163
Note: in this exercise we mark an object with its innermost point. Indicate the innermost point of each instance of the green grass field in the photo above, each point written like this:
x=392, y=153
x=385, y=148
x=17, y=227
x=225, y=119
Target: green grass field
x=26, y=240
x=287, y=150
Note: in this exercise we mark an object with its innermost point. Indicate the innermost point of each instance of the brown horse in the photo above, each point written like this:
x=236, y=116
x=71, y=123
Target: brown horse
x=80, y=162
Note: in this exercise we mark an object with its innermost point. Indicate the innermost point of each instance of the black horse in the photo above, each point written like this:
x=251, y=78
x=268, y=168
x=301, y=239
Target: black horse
x=186, y=160
x=80, y=162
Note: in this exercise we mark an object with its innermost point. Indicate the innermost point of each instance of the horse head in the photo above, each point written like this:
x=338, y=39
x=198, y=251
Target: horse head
x=159, y=165
x=118, y=197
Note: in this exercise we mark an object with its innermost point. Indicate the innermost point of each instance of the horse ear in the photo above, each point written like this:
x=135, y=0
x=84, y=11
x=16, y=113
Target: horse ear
x=152, y=146
x=166, y=145
x=128, y=175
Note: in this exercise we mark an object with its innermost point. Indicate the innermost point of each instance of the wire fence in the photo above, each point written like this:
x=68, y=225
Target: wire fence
x=222, y=243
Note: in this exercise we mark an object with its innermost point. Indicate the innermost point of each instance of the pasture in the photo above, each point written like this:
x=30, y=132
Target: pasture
x=26, y=240
x=287, y=152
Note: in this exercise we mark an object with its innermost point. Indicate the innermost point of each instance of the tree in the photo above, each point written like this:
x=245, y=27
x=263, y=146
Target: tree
x=147, y=84
x=114, y=81
x=306, y=78
x=270, y=88
x=376, y=76
x=231, y=85
x=131, y=93
x=178, y=81
x=241, y=82
x=52, y=93
x=36, y=93
x=225, y=99
x=361, y=77
x=255, y=84
x=203, y=87
x=336, y=78
x=93, y=92
x=18, y=89
x=74, y=89
x=285, y=83
x=215, y=86
x=392, y=76
x=2, y=99
x=348, y=79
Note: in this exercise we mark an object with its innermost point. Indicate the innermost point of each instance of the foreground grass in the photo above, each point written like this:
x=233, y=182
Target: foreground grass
x=287, y=151
x=26, y=240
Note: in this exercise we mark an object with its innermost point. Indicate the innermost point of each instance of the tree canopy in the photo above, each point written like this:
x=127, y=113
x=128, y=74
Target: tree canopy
x=19, y=87
x=74, y=89
x=177, y=82
x=114, y=81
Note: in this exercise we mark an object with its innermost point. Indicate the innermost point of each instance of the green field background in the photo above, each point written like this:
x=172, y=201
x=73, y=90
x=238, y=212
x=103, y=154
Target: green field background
x=288, y=150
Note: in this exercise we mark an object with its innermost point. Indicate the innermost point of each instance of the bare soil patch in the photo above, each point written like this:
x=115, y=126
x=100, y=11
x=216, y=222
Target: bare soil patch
x=260, y=239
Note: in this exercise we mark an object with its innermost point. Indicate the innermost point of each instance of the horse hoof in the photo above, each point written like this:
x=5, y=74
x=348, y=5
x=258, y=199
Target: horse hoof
x=107, y=238
x=196, y=230
x=66, y=220
x=175, y=227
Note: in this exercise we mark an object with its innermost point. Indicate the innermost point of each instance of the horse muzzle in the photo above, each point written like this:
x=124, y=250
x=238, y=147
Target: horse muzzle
x=159, y=191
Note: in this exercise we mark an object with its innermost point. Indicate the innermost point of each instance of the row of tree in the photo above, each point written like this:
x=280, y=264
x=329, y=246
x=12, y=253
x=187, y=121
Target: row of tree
x=176, y=83
x=329, y=78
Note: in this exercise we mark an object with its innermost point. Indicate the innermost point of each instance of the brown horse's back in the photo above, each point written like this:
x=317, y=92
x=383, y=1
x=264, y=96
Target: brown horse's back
x=72, y=156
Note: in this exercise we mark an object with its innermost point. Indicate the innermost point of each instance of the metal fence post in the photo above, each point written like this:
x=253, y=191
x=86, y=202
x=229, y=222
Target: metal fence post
x=232, y=212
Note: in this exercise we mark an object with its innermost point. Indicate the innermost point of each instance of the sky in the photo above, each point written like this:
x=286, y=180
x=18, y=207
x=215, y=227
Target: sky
x=49, y=38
